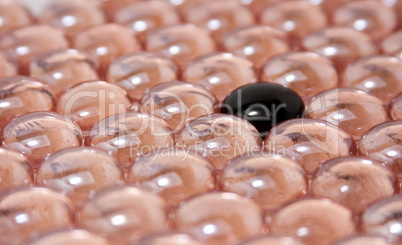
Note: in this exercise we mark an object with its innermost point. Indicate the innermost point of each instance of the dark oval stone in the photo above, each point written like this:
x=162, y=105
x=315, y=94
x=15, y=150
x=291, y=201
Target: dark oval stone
x=264, y=105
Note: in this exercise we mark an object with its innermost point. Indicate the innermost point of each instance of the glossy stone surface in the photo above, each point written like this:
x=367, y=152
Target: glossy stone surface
x=364, y=240
x=72, y=16
x=106, y=42
x=264, y=105
x=128, y=135
x=7, y=68
x=178, y=103
x=168, y=238
x=219, y=218
x=111, y=6
x=351, y=109
x=297, y=18
x=272, y=239
x=353, y=182
x=122, y=213
x=329, y=5
x=392, y=45
x=62, y=69
x=383, y=143
x=13, y=15
x=377, y=75
x=173, y=173
x=20, y=95
x=314, y=221
x=219, y=17
x=88, y=103
x=220, y=72
x=39, y=134
x=342, y=45
x=25, y=43
x=309, y=142
x=219, y=138
x=258, y=5
x=29, y=211
x=68, y=237
x=15, y=170
x=79, y=172
x=271, y=181
x=136, y=72
x=256, y=43
x=145, y=16
x=306, y=73
x=182, y=43
x=372, y=17
x=395, y=110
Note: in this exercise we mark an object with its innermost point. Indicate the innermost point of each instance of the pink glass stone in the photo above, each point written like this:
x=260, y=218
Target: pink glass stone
x=272, y=239
x=219, y=138
x=20, y=95
x=39, y=134
x=297, y=18
x=392, y=45
x=88, y=103
x=25, y=43
x=256, y=43
x=178, y=103
x=304, y=72
x=182, y=43
x=136, y=72
x=79, y=172
x=72, y=16
x=173, y=173
x=129, y=135
x=353, y=182
x=364, y=240
x=145, y=16
x=219, y=17
x=111, y=6
x=219, y=218
x=134, y=107
x=29, y=211
x=371, y=17
x=168, y=238
x=69, y=237
x=220, y=72
x=342, y=45
x=13, y=15
x=383, y=143
x=258, y=5
x=351, y=109
x=62, y=69
x=122, y=213
x=15, y=170
x=106, y=42
x=383, y=218
x=329, y=5
x=378, y=75
x=309, y=142
x=269, y=180
x=395, y=110
x=7, y=68
x=314, y=221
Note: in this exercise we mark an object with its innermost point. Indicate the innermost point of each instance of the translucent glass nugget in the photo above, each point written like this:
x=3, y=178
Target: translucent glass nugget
x=167, y=238
x=68, y=237
x=7, y=68
x=15, y=170
x=395, y=109
x=13, y=15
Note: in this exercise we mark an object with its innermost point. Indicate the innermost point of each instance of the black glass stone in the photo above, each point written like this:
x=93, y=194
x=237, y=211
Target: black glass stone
x=264, y=105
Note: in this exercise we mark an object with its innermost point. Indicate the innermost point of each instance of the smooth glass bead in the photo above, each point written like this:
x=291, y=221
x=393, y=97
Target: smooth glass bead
x=270, y=180
x=168, y=238
x=306, y=73
x=69, y=237
x=220, y=72
x=20, y=95
x=182, y=43
x=350, y=109
x=378, y=75
x=309, y=142
x=256, y=43
x=29, y=211
x=122, y=213
x=364, y=240
x=7, y=68
x=110, y=7
x=219, y=138
x=219, y=218
x=272, y=239
x=314, y=221
x=392, y=45
x=178, y=103
x=39, y=134
x=129, y=135
x=13, y=15
x=137, y=72
x=258, y=5
x=62, y=69
x=79, y=172
x=88, y=103
x=15, y=170
x=329, y=5
x=395, y=110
